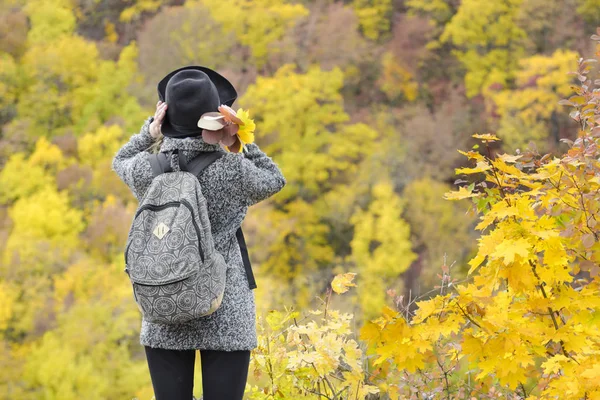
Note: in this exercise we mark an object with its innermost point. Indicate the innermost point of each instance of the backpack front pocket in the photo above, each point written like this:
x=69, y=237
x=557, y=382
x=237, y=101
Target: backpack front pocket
x=168, y=303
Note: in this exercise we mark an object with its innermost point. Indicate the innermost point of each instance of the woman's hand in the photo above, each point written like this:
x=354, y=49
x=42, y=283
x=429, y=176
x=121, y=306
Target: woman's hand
x=159, y=116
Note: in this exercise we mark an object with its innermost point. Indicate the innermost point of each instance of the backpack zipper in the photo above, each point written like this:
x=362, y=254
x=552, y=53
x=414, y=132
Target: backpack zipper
x=154, y=207
x=189, y=206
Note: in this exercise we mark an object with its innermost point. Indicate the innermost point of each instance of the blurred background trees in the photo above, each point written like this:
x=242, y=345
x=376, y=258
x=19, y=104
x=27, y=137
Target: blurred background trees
x=362, y=103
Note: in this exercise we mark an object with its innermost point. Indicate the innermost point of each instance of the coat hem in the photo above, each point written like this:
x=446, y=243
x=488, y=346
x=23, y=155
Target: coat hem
x=199, y=347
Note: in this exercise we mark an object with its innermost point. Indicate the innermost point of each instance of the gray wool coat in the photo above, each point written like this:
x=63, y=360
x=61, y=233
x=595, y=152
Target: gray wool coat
x=230, y=185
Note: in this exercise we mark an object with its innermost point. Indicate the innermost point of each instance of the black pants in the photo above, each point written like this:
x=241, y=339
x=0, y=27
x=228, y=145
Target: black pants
x=224, y=373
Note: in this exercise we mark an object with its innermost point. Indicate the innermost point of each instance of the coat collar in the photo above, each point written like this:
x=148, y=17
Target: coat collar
x=192, y=144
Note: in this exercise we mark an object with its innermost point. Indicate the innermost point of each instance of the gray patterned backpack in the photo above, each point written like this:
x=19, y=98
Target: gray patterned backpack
x=170, y=257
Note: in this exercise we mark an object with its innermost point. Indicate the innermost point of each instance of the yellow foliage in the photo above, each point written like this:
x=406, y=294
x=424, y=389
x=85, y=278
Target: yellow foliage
x=296, y=113
x=441, y=230
x=8, y=296
x=12, y=184
x=92, y=298
x=522, y=314
x=139, y=7
x=342, y=282
x=373, y=16
x=488, y=40
x=95, y=147
x=8, y=80
x=44, y=217
x=438, y=10
x=105, y=99
x=89, y=360
x=486, y=137
x=525, y=112
x=396, y=80
x=47, y=155
x=394, y=341
x=47, y=215
x=33, y=289
x=41, y=166
x=71, y=62
x=381, y=247
x=461, y=193
x=588, y=9
x=246, y=131
x=307, y=357
x=526, y=319
x=69, y=86
x=258, y=24
x=304, y=125
x=298, y=248
x=50, y=19
x=111, y=34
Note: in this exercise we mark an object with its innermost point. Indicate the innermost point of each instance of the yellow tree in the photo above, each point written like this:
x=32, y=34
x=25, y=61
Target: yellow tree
x=396, y=80
x=438, y=11
x=526, y=112
x=188, y=35
x=256, y=23
x=381, y=248
x=303, y=125
x=525, y=323
x=42, y=166
x=374, y=17
x=137, y=8
x=63, y=363
x=66, y=85
x=50, y=20
x=589, y=10
x=488, y=42
x=8, y=81
x=441, y=234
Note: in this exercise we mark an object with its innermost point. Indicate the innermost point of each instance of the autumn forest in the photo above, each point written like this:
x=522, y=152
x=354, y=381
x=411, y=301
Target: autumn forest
x=438, y=236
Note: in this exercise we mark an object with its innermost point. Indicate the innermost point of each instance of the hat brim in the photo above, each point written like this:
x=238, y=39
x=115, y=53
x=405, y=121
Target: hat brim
x=227, y=93
x=168, y=130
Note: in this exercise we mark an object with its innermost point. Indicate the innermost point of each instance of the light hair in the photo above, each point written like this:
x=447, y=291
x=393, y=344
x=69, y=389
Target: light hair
x=155, y=147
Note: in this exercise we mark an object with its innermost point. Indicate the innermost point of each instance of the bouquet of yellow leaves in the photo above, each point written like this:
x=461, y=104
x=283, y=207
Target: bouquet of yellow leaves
x=231, y=129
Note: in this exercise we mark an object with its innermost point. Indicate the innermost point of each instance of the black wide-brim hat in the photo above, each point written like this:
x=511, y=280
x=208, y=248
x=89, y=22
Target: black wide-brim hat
x=189, y=93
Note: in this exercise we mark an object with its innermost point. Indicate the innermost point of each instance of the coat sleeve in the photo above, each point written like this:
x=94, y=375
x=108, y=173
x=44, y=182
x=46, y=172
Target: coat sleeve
x=131, y=161
x=261, y=178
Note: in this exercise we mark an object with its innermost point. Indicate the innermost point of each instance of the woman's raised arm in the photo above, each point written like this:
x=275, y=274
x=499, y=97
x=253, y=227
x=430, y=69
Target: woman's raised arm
x=131, y=161
x=260, y=175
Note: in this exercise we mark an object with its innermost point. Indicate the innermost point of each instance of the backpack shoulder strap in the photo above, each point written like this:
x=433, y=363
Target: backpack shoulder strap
x=203, y=160
x=239, y=234
x=160, y=164
x=195, y=166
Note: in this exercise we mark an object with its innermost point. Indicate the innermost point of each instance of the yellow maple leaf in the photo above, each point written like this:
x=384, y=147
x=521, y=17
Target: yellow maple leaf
x=246, y=130
x=507, y=169
x=426, y=308
x=461, y=193
x=480, y=167
x=508, y=158
x=592, y=373
x=472, y=155
x=370, y=332
x=554, y=364
x=511, y=248
x=342, y=282
x=488, y=137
